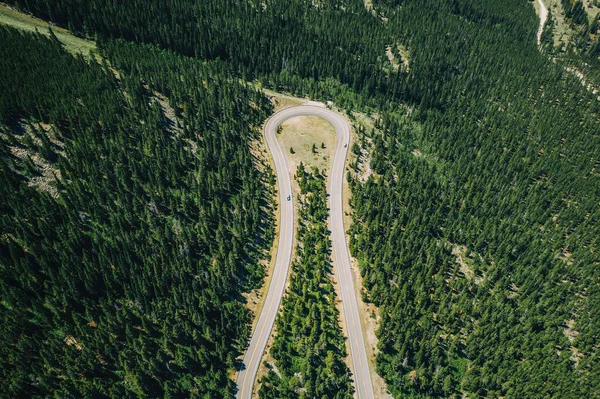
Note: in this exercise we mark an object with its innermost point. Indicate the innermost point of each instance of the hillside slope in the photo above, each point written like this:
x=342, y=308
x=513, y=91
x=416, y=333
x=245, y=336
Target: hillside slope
x=130, y=223
x=477, y=230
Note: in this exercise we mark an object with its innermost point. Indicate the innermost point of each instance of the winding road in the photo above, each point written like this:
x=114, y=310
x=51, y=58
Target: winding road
x=543, y=17
x=262, y=331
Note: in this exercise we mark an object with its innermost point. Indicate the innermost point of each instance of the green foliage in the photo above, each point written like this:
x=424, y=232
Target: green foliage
x=309, y=346
x=575, y=11
x=127, y=283
x=293, y=45
x=505, y=183
x=547, y=39
x=481, y=248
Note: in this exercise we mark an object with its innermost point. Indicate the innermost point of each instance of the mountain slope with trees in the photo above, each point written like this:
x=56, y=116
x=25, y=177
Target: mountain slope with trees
x=125, y=282
x=477, y=233
x=290, y=45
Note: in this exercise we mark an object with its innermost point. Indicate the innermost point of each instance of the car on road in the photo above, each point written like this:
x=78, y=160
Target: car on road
x=345, y=145
x=289, y=197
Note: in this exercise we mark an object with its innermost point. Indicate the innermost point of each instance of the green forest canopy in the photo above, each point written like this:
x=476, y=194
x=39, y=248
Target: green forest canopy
x=477, y=234
x=126, y=282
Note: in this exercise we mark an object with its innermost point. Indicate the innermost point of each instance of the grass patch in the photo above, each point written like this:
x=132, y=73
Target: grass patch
x=301, y=133
x=76, y=45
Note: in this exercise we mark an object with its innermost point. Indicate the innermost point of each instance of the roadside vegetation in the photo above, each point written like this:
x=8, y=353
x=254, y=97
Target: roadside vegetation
x=476, y=219
x=126, y=281
x=571, y=36
x=477, y=235
x=309, y=346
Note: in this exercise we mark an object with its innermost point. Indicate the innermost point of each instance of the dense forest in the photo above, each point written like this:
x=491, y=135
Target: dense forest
x=477, y=234
x=130, y=224
x=134, y=216
x=309, y=346
x=294, y=45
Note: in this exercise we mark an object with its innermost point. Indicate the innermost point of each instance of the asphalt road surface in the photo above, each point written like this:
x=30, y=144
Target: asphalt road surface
x=543, y=17
x=262, y=331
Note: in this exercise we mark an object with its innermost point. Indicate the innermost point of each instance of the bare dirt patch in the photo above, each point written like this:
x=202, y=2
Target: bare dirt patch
x=584, y=82
x=571, y=334
x=397, y=55
x=69, y=340
x=174, y=125
x=566, y=256
x=542, y=12
x=281, y=101
x=460, y=251
x=570, y=331
x=360, y=165
x=392, y=58
x=405, y=54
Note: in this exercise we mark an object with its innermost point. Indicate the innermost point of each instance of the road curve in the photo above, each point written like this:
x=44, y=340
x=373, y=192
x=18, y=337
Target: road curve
x=262, y=331
x=543, y=17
